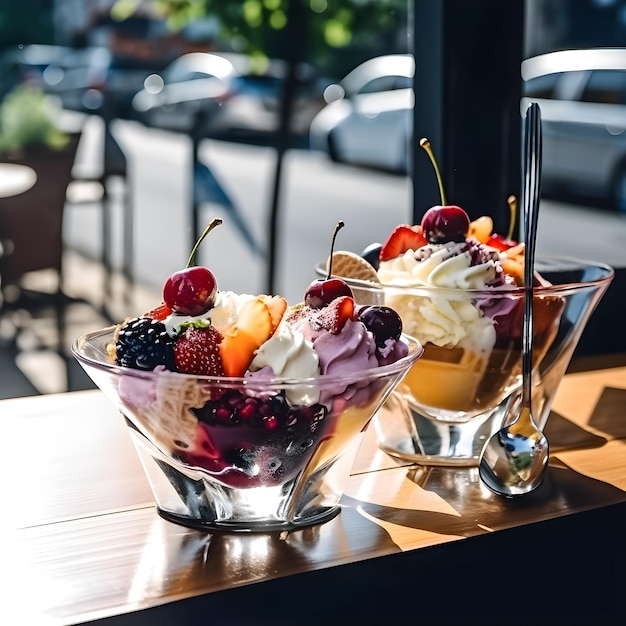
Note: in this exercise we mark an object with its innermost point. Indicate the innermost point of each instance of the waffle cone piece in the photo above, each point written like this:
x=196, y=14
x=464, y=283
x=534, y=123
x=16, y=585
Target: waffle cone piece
x=352, y=266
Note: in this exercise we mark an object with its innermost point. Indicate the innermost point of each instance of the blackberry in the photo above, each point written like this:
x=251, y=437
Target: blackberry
x=143, y=343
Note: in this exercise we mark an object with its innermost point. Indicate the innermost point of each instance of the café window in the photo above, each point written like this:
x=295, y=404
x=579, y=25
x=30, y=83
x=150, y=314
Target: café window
x=542, y=86
x=606, y=87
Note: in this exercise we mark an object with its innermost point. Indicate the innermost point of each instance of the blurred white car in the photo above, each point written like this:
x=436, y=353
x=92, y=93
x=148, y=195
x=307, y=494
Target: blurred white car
x=582, y=96
x=223, y=94
x=369, y=116
x=66, y=73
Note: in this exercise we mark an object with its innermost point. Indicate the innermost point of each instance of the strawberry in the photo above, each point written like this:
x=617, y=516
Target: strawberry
x=500, y=243
x=402, y=238
x=159, y=313
x=333, y=316
x=196, y=350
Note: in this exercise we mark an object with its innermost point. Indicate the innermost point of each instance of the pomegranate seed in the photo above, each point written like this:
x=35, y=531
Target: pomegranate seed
x=270, y=422
x=222, y=414
x=248, y=409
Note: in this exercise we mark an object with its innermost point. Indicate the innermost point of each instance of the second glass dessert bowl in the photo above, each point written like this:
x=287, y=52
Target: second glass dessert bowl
x=243, y=454
x=468, y=380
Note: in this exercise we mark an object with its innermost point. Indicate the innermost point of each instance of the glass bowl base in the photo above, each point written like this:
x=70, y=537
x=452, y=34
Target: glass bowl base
x=252, y=526
x=405, y=434
x=404, y=450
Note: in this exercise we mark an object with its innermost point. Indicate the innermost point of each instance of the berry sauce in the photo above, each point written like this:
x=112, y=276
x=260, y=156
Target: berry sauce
x=247, y=441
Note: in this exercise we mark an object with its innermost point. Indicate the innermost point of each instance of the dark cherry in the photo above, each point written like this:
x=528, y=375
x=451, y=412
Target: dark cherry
x=192, y=291
x=442, y=224
x=382, y=321
x=322, y=291
x=372, y=254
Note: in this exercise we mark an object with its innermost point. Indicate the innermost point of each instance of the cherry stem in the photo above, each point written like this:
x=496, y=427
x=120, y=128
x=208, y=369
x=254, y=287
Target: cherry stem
x=214, y=222
x=338, y=227
x=512, y=202
x=425, y=143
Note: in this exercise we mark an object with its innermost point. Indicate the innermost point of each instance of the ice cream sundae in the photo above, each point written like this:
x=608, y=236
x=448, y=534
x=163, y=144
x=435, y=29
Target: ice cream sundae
x=244, y=392
x=457, y=287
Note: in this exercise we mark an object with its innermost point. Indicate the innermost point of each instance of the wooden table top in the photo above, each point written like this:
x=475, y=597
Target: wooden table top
x=84, y=532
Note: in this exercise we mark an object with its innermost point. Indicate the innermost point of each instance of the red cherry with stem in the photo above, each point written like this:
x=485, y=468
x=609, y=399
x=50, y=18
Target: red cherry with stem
x=322, y=291
x=443, y=223
x=192, y=291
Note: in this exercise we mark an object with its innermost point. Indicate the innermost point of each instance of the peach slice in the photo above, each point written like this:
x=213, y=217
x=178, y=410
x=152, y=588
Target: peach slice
x=241, y=341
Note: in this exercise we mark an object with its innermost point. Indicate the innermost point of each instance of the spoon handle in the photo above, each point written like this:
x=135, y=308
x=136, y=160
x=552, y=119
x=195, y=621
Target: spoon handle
x=532, y=175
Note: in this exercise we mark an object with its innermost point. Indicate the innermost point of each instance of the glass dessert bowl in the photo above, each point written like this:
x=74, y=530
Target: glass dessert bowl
x=459, y=289
x=243, y=453
x=468, y=381
x=247, y=412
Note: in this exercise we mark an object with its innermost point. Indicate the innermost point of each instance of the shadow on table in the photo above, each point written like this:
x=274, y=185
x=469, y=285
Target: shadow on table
x=572, y=565
x=35, y=341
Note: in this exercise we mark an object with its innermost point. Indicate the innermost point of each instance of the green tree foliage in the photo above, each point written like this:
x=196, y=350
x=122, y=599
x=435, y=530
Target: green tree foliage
x=254, y=26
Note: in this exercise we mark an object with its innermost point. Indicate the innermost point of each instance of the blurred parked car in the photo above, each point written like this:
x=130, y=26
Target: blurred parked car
x=369, y=116
x=56, y=70
x=224, y=95
x=124, y=76
x=582, y=96
x=81, y=79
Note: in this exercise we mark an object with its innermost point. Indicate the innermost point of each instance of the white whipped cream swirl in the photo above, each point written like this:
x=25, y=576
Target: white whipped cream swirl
x=290, y=355
x=449, y=319
x=449, y=265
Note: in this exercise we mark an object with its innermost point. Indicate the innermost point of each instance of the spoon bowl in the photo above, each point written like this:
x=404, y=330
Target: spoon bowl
x=514, y=459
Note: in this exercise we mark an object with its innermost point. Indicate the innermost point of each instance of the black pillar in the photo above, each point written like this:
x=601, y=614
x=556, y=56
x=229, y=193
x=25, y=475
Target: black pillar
x=296, y=36
x=468, y=87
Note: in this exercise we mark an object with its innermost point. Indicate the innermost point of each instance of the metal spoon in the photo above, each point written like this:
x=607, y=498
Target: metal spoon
x=514, y=460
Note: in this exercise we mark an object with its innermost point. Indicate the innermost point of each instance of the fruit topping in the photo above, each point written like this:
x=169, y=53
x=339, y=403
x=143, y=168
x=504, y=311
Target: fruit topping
x=192, y=291
x=481, y=228
x=196, y=350
x=323, y=291
x=499, y=242
x=143, y=344
x=372, y=254
x=402, y=238
x=382, y=321
x=277, y=305
x=334, y=316
x=254, y=326
x=442, y=224
x=232, y=408
x=159, y=313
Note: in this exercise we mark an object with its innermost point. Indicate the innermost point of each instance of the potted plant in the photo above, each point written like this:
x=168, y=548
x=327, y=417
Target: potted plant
x=27, y=121
x=31, y=222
